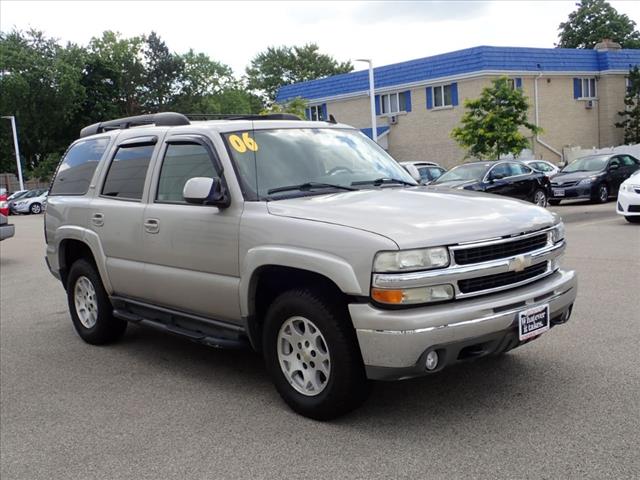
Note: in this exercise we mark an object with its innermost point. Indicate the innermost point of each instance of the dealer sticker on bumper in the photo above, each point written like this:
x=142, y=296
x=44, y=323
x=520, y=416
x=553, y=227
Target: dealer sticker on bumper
x=533, y=322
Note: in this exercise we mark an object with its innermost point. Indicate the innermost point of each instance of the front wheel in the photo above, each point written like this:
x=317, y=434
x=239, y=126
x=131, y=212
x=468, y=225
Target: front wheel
x=602, y=194
x=312, y=354
x=91, y=310
x=540, y=198
x=35, y=208
x=632, y=219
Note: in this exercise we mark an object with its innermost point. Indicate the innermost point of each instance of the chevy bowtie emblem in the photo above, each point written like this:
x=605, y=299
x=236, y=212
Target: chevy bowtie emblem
x=519, y=263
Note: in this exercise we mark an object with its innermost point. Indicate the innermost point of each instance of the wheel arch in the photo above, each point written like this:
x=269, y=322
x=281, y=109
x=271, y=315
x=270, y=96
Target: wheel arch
x=82, y=245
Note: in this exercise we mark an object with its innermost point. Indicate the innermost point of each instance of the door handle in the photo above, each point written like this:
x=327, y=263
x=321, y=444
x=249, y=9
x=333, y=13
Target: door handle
x=98, y=219
x=151, y=225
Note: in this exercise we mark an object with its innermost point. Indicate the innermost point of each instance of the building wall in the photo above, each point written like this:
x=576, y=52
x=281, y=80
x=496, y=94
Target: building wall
x=425, y=134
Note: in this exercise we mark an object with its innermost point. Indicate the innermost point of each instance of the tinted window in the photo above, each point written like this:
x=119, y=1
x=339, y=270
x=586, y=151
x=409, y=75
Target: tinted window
x=627, y=161
x=182, y=162
x=501, y=171
x=127, y=172
x=430, y=173
x=518, y=169
x=76, y=170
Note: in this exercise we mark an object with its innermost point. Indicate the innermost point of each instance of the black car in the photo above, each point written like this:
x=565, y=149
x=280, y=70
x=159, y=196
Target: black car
x=510, y=178
x=596, y=177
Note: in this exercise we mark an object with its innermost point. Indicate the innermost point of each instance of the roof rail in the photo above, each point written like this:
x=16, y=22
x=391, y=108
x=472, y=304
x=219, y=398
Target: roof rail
x=241, y=116
x=163, y=119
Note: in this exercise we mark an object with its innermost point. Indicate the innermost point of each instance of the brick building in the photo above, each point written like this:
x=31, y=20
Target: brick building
x=579, y=95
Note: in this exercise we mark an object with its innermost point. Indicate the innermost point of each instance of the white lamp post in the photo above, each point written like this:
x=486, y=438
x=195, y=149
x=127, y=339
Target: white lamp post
x=17, y=149
x=374, y=130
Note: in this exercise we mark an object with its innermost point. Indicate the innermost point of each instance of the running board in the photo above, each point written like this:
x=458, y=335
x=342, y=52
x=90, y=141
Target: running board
x=213, y=333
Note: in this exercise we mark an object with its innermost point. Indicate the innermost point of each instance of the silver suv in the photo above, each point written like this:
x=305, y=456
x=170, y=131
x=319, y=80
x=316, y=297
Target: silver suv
x=303, y=240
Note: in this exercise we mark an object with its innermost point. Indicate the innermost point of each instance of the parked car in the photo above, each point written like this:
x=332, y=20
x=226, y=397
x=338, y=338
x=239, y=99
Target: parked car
x=548, y=168
x=14, y=197
x=629, y=198
x=304, y=240
x=509, y=178
x=32, y=202
x=423, y=172
x=4, y=205
x=596, y=177
x=6, y=229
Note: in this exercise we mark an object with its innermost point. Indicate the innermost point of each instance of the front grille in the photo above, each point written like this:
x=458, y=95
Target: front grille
x=500, y=279
x=500, y=250
x=634, y=209
x=565, y=184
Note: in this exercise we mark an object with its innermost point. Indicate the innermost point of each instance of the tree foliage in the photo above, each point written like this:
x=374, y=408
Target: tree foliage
x=492, y=124
x=631, y=113
x=296, y=106
x=278, y=66
x=595, y=20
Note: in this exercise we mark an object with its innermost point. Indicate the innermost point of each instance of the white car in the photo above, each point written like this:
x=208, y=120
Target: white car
x=629, y=198
x=549, y=169
x=32, y=202
x=423, y=172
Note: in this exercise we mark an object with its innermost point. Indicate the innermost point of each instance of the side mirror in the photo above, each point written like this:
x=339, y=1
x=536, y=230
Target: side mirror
x=206, y=191
x=614, y=166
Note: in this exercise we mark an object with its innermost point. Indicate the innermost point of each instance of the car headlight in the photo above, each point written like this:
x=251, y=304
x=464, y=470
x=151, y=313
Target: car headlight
x=557, y=232
x=411, y=260
x=412, y=296
x=587, y=181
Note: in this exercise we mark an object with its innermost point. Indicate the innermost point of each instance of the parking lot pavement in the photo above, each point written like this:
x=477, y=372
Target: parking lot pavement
x=156, y=406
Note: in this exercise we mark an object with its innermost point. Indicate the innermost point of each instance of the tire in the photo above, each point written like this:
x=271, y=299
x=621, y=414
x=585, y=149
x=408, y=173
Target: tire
x=35, y=208
x=540, y=198
x=94, y=323
x=554, y=202
x=345, y=387
x=632, y=219
x=602, y=194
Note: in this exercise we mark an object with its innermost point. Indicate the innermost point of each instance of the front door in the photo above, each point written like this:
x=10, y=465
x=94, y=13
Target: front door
x=191, y=250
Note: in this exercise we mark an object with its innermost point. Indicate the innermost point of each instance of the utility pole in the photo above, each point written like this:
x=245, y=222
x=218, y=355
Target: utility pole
x=17, y=149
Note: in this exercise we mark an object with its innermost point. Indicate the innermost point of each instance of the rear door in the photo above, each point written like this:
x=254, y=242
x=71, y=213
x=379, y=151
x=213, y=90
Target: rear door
x=191, y=251
x=116, y=211
x=524, y=180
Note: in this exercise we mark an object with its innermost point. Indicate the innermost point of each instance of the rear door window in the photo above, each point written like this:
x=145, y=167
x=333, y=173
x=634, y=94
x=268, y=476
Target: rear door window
x=518, y=169
x=78, y=166
x=127, y=172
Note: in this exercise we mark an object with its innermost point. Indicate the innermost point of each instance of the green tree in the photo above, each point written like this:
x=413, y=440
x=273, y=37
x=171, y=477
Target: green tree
x=163, y=71
x=631, y=113
x=491, y=125
x=297, y=106
x=595, y=20
x=278, y=66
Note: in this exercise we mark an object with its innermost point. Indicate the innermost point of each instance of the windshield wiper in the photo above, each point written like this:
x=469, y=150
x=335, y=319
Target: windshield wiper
x=379, y=181
x=308, y=186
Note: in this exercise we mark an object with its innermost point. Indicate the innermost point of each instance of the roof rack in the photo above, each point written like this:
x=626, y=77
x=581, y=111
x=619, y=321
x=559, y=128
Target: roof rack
x=164, y=119
x=242, y=116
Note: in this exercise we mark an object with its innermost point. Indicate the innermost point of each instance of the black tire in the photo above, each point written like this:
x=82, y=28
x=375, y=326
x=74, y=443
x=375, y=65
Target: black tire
x=35, y=208
x=554, y=202
x=347, y=386
x=601, y=195
x=544, y=199
x=632, y=219
x=107, y=328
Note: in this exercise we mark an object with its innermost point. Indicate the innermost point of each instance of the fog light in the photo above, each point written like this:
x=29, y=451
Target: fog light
x=432, y=360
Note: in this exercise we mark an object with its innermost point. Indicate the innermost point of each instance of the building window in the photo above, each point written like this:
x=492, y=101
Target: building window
x=442, y=96
x=627, y=84
x=391, y=103
x=588, y=88
x=316, y=113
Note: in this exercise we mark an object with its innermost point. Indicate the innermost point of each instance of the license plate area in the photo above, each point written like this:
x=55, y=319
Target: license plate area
x=558, y=192
x=533, y=321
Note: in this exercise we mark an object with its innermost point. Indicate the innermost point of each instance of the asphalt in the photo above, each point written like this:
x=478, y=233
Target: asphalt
x=159, y=407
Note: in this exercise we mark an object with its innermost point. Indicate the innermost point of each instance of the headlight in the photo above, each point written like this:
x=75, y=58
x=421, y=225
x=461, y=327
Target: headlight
x=557, y=233
x=587, y=181
x=412, y=296
x=411, y=260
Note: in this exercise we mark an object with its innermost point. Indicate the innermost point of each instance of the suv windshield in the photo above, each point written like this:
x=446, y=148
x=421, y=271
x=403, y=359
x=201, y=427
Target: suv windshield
x=474, y=171
x=588, y=164
x=310, y=161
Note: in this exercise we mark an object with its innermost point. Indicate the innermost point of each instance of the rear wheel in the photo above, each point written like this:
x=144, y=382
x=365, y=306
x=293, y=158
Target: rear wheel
x=632, y=219
x=312, y=354
x=35, y=208
x=602, y=194
x=91, y=310
x=540, y=198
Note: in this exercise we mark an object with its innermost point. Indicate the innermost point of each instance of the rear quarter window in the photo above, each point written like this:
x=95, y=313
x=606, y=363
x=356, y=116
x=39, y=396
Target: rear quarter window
x=78, y=166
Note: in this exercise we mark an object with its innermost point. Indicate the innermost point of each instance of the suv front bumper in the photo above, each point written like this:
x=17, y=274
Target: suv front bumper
x=394, y=343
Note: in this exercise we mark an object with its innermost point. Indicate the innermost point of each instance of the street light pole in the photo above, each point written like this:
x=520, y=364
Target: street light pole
x=372, y=98
x=17, y=149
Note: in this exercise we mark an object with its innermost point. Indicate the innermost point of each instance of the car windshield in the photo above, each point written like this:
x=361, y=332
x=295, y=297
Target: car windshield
x=472, y=171
x=273, y=163
x=588, y=164
x=18, y=195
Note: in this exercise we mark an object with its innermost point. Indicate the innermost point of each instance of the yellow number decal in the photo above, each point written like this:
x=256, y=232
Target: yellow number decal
x=237, y=143
x=249, y=142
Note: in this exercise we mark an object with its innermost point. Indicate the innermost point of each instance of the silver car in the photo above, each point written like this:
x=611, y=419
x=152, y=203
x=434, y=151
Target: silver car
x=302, y=240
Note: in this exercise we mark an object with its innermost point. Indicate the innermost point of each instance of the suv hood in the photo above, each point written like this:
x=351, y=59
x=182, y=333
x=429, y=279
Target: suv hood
x=417, y=217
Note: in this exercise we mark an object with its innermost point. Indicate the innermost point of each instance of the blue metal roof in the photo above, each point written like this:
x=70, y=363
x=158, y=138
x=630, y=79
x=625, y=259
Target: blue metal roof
x=379, y=131
x=463, y=62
